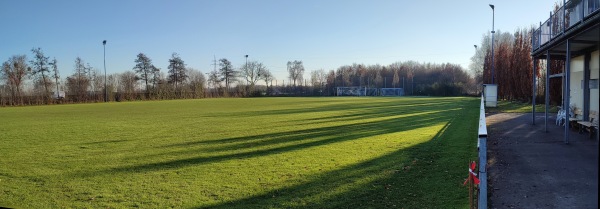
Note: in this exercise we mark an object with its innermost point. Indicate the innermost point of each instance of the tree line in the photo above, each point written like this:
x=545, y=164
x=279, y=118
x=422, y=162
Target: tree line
x=38, y=81
x=513, y=67
x=427, y=79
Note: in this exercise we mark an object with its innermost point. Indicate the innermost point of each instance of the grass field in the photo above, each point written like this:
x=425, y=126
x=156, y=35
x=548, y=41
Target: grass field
x=240, y=153
x=519, y=107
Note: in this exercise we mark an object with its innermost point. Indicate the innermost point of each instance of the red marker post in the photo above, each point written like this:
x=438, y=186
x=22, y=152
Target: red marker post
x=471, y=179
x=472, y=174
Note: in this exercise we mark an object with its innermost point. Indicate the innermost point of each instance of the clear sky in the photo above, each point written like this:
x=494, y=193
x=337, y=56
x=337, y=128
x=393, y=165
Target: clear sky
x=323, y=34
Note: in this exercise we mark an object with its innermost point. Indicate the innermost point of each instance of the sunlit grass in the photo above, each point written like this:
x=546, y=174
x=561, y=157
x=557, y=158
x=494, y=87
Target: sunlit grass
x=519, y=107
x=239, y=153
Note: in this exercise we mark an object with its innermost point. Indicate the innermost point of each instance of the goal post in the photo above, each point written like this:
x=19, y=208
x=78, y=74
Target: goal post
x=352, y=91
x=392, y=91
x=365, y=91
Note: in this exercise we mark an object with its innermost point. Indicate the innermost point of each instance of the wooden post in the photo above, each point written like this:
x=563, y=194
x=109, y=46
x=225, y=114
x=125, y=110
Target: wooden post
x=470, y=182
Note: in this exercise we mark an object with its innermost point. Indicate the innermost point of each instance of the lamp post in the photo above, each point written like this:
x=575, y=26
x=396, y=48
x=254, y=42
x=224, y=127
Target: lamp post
x=246, y=62
x=493, y=11
x=246, y=71
x=476, y=71
x=105, y=89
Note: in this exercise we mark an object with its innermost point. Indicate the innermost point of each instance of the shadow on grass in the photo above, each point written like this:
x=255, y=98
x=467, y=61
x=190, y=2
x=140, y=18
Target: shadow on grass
x=430, y=172
x=349, y=106
x=417, y=112
x=426, y=175
x=246, y=147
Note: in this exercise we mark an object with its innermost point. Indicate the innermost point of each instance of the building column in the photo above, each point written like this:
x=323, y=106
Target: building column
x=533, y=94
x=547, y=91
x=567, y=92
x=586, y=86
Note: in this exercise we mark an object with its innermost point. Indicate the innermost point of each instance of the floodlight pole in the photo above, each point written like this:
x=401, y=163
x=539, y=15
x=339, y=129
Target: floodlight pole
x=493, y=17
x=247, y=75
x=246, y=68
x=105, y=89
x=482, y=70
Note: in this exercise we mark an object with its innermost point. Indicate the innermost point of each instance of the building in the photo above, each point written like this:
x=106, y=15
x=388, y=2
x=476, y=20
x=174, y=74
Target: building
x=572, y=34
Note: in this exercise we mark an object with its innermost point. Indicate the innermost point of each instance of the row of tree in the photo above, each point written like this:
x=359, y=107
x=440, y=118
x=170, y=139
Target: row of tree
x=513, y=67
x=38, y=81
x=415, y=78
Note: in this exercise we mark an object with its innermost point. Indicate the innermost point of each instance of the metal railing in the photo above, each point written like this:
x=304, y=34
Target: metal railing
x=572, y=13
x=482, y=146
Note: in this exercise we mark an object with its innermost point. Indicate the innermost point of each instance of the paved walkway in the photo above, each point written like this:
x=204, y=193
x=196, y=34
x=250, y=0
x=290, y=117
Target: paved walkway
x=529, y=168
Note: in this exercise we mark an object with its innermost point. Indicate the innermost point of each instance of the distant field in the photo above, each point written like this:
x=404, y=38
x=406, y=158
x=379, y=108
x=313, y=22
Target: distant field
x=519, y=107
x=347, y=152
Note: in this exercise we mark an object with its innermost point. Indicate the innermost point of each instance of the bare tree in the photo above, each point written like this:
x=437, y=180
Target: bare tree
x=112, y=84
x=396, y=79
x=252, y=71
x=378, y=78
x=478, y=60
x=78, y=82
x=15, y=71
x=295, y=70
x=214, y=81
x=155, y=77
x=266, y=76
x=40, y=69
x=318, y=79
x=196, y=82
x=127, y=82
x=97, y=83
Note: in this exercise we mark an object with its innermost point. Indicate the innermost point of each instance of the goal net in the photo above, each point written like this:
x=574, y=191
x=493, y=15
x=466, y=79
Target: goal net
x=357, y=91
x=392, y=92
x=351, y=91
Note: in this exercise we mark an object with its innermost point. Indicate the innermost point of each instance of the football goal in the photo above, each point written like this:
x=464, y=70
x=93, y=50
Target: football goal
x=351, y=91
x=357, y=91
x=392, y=92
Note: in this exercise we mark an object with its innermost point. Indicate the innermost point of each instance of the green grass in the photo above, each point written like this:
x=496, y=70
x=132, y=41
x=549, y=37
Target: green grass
x=518, y=107
x=240, y=153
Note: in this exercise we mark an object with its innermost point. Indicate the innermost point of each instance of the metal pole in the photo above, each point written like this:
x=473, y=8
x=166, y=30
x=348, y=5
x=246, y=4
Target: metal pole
x=246, y=75
x=493, y=19
x=533, y=87
x=547, y=90
x=105, y=88
x=481, y=71
x=567, y=89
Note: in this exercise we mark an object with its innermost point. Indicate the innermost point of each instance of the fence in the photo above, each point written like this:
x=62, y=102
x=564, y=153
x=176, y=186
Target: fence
x=482, y=147
x=572, y=13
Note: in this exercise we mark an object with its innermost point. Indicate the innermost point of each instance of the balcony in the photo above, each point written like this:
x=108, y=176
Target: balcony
x=572, y=16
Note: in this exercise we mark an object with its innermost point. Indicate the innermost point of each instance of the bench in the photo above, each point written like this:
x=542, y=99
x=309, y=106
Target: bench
x=574, y=118
x=590, y=126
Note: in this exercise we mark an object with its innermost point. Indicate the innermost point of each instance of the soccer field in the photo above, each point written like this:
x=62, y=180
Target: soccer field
x=335, y=152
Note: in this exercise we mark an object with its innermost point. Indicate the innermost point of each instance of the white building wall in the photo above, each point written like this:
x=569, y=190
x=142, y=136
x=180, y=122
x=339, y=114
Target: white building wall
x=576, y=80
x=594, y=68
x=576, y=99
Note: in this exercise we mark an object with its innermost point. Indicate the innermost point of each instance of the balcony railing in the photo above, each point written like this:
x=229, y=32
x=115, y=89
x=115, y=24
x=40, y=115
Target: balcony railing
x=566, y=17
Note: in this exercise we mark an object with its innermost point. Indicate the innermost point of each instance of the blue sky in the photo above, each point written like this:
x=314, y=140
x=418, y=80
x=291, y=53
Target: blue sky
x=323, y=34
